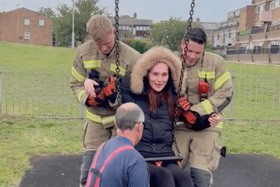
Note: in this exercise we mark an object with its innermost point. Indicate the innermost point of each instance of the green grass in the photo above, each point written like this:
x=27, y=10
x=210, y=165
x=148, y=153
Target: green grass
x=23, y=137
x=258, y=137
x=18, y=57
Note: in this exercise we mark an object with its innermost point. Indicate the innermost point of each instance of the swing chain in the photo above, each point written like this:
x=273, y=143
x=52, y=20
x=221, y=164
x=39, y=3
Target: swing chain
x=117, y=55
x=183, y=55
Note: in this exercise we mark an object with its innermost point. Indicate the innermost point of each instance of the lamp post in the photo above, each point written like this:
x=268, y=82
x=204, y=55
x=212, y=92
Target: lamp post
x=73, y=34
x=17, y=25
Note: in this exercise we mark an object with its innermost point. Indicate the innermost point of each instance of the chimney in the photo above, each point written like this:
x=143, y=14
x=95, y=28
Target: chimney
x=135, y=15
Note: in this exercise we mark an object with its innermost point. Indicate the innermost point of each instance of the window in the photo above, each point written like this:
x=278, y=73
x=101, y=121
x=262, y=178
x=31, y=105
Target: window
x=218, y=37
x=27, y=35
x=272, y=5
x=26, y=21
x=41, y=22
x=260, y=8
x=229, y=35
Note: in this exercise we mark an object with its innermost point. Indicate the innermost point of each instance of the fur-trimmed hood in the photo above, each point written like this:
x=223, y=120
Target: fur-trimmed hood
x=148, y=60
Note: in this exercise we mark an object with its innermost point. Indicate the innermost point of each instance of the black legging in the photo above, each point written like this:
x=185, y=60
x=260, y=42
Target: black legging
x=169, y=175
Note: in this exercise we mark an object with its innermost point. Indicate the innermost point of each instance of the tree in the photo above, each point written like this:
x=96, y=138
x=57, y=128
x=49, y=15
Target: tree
x=169, y=33
x=47, y=12
x=62, y=22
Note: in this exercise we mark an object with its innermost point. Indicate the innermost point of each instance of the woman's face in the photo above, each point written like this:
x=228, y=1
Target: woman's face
x=158, y=76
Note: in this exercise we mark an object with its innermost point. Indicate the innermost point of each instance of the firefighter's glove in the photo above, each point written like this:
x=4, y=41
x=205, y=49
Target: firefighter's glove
x=108, y=89
x=96, y=102
x=184, y=103
x=189, y=118
x=92, y=102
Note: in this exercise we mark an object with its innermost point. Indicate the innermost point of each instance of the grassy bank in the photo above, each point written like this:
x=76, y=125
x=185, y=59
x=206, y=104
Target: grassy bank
x=23, y=137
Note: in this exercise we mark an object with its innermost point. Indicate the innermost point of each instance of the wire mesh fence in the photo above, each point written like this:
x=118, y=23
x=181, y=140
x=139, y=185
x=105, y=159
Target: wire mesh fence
x=48, y=94
x=256, y=95
x=38, y=93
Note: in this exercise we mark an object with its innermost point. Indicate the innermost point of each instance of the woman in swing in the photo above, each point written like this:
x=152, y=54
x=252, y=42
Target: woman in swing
x=151, y=86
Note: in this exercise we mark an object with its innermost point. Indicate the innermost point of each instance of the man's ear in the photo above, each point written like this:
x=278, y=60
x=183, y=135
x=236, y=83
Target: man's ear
x=113, y=30
x=183, y=44
x=138, y=127
x=115, y=123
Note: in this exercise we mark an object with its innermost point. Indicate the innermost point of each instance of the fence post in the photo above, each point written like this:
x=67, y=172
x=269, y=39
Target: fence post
x=231, y=103
x=82, y=112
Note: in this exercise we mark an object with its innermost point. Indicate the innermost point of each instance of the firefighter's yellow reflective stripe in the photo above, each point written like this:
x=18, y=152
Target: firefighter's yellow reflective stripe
x=78, y=76
x=113, y=68
x=206, y=74
x=81, y=93
x=107, y=120
x=207, y=106
x=98, y=119
x=220, y=125
x=92, y=64
x=221, y=80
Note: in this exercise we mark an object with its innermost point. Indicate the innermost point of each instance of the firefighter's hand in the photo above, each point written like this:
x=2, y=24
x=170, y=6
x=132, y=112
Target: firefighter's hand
x=214, y=120
x=89, y=86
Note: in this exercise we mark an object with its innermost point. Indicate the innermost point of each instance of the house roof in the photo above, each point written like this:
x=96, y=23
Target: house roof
x=24, y=9
x=127, y=20
x=210, y=25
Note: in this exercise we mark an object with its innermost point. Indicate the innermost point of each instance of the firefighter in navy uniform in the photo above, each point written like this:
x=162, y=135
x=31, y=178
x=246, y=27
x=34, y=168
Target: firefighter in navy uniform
x=207, y=89
x=97, y=58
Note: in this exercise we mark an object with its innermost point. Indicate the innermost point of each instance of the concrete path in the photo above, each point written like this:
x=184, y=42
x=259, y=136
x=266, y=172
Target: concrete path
x=233, y=171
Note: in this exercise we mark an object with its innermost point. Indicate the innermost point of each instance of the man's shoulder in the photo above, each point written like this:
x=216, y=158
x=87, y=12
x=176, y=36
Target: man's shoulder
x=210, y=55
x=86, y=47
x=213, y=59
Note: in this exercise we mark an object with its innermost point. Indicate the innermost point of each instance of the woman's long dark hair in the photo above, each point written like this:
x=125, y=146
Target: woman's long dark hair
x=166, y=94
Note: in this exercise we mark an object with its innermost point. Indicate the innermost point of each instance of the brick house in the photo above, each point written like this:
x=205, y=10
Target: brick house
x=258, y=39
x=25, y=26
x=133, y=27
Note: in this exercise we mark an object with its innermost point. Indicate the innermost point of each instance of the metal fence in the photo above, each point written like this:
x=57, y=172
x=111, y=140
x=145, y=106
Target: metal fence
x=48, y=94
x=38, y=93
x=255, y=50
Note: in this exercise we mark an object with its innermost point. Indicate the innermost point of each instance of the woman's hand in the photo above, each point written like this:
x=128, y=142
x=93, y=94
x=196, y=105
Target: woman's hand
x=214, y=120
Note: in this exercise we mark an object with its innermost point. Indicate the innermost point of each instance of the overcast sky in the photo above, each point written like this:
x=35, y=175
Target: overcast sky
x=206, y=10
